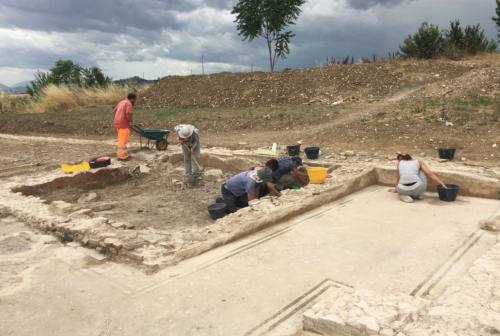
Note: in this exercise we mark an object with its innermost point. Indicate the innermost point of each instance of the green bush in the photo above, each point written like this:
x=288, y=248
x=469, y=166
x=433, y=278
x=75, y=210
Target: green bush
x=496, y=19
x=70, y=74
x=427, y=42
x=430, y=42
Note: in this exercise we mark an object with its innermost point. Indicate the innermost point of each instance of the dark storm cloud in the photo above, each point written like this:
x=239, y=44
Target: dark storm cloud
x=379, y=30
x=34, y=34
x=39, y=59
x=106, y=16
x=365, y=4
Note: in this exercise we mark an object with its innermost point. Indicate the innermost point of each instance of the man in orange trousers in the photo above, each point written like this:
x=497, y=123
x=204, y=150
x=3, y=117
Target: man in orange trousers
x=123, y=123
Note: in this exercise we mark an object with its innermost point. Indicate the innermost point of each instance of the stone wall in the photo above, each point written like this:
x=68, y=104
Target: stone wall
x=470, y=185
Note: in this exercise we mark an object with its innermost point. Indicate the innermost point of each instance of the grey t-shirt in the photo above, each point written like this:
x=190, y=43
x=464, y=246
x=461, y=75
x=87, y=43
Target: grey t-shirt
x=193, y=140
x=409, y=171
x=241, y=184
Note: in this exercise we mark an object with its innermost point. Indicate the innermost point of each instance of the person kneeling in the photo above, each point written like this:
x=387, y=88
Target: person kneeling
x=245, y=187
x=290, y=172
x=412, y=178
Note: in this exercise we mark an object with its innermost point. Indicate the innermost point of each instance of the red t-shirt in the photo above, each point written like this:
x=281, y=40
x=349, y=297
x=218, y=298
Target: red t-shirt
x=123, y=114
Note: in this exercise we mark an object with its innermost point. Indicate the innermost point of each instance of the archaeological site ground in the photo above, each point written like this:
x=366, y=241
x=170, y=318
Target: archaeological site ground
x=130, y=249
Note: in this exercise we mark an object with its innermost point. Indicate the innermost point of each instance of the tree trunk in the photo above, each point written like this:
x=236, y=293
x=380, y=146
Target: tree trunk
x=271, y=58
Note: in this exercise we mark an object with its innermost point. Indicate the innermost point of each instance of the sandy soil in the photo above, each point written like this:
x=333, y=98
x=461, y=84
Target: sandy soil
x=157, y=199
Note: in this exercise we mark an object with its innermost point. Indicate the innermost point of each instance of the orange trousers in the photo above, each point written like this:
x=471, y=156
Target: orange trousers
x=121, y=148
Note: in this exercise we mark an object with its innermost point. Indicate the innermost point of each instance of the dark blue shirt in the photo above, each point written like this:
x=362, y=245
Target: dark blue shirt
x=285, y=166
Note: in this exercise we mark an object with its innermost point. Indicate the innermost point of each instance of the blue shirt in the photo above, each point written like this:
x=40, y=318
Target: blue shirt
x=285, y=166
x=241, y=184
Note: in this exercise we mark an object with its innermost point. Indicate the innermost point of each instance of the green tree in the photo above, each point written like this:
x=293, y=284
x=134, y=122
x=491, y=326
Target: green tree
x=69, y=73
x=66, y=72
x=431, y=42
x=497, y=19
x=455, y=36
x=427, y=42
x=270, y=20
x=475, y=40
x=94, y=77
x=42, y=79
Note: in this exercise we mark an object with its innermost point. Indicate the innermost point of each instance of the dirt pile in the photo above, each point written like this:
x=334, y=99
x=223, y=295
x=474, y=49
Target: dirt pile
x=483, y=79
x=330, y=84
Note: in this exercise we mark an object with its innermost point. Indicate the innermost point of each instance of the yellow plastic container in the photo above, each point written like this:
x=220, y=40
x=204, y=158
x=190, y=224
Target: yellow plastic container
x=317, y=175
x=66, y=168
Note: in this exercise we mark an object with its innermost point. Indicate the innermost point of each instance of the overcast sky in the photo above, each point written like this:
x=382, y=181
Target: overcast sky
x=165, y=37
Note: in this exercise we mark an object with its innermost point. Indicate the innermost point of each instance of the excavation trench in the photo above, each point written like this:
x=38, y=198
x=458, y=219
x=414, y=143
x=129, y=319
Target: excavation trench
x=157, y=199
x=141, y=217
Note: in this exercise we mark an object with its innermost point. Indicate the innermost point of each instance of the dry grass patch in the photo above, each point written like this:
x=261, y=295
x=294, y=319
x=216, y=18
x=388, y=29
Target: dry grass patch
x=62, y=98
x=13, y=102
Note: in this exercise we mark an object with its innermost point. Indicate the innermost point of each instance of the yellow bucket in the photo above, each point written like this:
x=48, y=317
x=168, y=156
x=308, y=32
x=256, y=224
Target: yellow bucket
x=66, y=168
x=317, y=175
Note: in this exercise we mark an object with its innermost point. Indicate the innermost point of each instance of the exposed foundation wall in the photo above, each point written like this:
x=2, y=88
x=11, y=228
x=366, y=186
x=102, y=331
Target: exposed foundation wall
x=85, y=180
x=250, y=224
x=470, y=185
x=145, y=248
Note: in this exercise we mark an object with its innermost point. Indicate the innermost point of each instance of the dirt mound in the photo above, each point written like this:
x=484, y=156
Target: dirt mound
x=481, y=80
x=329, y=84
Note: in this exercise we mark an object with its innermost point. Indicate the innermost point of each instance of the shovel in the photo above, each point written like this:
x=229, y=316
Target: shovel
x=200, y=168
x=194, y=180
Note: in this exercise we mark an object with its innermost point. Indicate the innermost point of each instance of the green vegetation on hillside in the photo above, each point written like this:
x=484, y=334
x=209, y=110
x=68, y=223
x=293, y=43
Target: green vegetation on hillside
x=497, y=19
x=430, y=42
x=70, y=74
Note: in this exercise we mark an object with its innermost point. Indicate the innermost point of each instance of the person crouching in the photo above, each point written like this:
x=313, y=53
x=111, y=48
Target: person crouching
x=245, y=187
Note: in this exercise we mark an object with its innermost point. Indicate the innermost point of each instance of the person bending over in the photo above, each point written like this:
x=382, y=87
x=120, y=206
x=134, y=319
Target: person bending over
x=412, y=178
x=290, y=171
x=244, y=187
x=189, y=139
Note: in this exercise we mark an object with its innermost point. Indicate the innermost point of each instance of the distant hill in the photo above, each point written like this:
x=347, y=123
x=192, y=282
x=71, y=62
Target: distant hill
x=136, y=80
x=5, y=88
x=16, y=88
x=20, y=87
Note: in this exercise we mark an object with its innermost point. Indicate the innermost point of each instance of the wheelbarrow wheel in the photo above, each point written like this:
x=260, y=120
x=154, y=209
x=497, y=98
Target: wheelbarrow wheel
x=162, y=145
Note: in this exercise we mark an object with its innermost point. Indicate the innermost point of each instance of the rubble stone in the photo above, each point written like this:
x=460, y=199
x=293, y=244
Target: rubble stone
x=217, y=173
x=82, y=213
x=87, y=198
x=345, y=312
x=113, y=242
x=103, y=207
x=61, y=208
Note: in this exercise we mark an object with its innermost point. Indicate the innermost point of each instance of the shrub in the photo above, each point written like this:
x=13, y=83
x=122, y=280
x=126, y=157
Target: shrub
x=70, y=74
x=496, y=18
x=427, y=42
x=430, y=42
x=475, y=41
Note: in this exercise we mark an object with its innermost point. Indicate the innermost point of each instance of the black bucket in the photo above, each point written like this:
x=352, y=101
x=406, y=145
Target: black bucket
x=449, y=194
x=217, y=210
x=312, y=153
x=446, y=153
x=220, y=200
x=293, y=150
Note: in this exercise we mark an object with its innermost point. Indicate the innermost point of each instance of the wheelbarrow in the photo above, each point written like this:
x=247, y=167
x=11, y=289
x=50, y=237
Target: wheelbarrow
x=159, y=136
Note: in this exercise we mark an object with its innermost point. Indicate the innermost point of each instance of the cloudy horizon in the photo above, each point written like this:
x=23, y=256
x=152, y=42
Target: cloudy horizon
x=155, y=38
